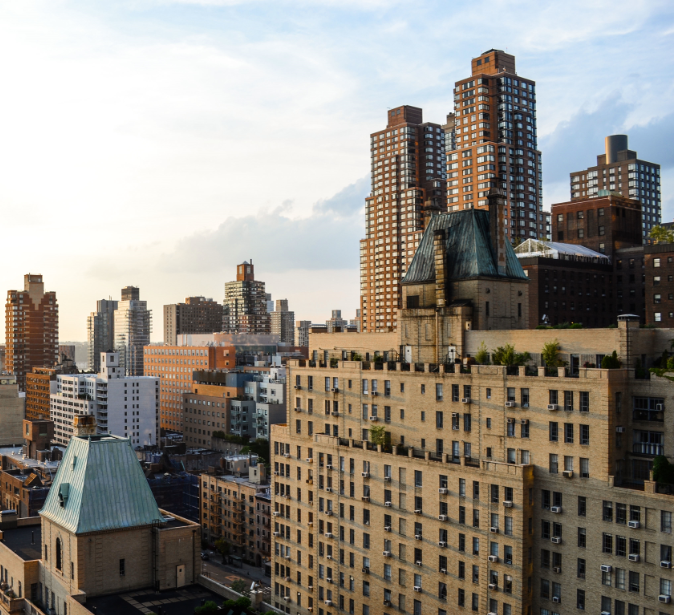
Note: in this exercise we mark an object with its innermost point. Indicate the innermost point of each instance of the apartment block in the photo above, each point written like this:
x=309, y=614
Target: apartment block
x=282, y=322
x=245, y=305
x=302, y=328
x=101, y=331
x=620, y=171
x=125, y=406
x=40, y=384
x=132, y=328
x=12, y=408
x=174, y=366
x=496, y=144
x=196, y=315
x=408, y=180
x=31, y=328
x=658, y=274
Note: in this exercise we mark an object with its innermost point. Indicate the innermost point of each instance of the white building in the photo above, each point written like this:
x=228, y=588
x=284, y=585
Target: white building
x=126, y=406
x=133, y=325
x=268, y=393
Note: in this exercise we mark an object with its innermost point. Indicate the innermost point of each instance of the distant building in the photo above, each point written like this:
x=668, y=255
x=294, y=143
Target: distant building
x=40, y=384
x=336, y=323
x=31, y=329
x=196, y=315
x=101, y=331
x=125, y=406
x=133, y=324
x=245, y=305
x=302, y=328
x=620, y=171
x=12, y=406
x=282, y=321
x=67, y=351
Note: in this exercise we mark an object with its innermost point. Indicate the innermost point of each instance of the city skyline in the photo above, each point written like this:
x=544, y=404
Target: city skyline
x=129, y=126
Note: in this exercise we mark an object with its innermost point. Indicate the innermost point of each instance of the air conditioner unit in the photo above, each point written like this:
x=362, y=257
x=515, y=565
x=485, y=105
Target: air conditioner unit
x=417, y=537
x=275, y=514
x=605, y=613
x=442, y=543
x=511, y=421
x=298, y=409
x=493, y=558
x=310, y=609
x=335, y=390
x=442, y=491
x=297, y=386
x=328, y=489
x=286, y=598
x=277, y=533
x=442, y=517
x=329, y=466
x=635, y=525
x=524, y=421
x=507, y=504
x=374, y=393
x=328, y=535
x=665, y=564
x=417, y=589
x=568, y=473
x=386, y=554
x=555, y=599
x=374, y=418
x=620, y=430
x=556, y=539
x=328, y=580
x=493, y=530
x=387, y=479
x=664, y=598
x=465, y=400
x=366, y=475
x=443, y=570
x=419, y=563
x=276, y=473
x=366, y=498
x=387, y=603
x=556, y=569
x=288, y=580
x=310, y=524
x=286, y=455
x=287, y=496
x=366, y=571
x=606, y=568
x=387, y=504
x=553, y=407
x=309, y=460
x=310, y=588
x=328, y=602
x=387, y=528
x=328, y=557
x=633, y=557
x=510, y=404
x=417, y=511
x=455, y=414
x=556, y=509
x=329, y=513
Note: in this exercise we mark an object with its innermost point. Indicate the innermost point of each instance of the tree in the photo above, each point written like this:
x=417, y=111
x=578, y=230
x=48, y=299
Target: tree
x=663, y=471
x=506, y=355
x=611, y=361
x=550, y=354
x=261, y=448
x=482, y=356
x=661, y=235
x=209, y=608
x=223, y=547
x=240, y=587
x=378, y=434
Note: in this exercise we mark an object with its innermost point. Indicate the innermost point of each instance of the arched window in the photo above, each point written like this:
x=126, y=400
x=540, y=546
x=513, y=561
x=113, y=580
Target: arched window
x=59, y=555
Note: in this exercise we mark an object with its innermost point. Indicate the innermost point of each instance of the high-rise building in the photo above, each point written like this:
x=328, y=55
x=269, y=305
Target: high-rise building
x=408, y=185
x=302, y=328
x=245, y=305
x=282, y=322
x=133, y=324
x=101, y=331
x=619, y=170
x=196, y=315
x=496, y=144
x=40, y=384
x=31, y=328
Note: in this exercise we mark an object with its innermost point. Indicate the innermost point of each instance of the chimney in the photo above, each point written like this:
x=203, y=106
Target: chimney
x=497, y=228
x=614, y=144
x=439, y=255
x=84, y=425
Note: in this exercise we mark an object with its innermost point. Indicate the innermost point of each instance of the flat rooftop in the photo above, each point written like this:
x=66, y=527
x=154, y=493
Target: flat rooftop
x=174, y=602
x=25, y=541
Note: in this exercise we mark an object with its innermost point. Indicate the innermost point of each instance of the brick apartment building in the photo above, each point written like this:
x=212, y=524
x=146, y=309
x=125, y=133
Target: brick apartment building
x=196, y=315
x=245, y=305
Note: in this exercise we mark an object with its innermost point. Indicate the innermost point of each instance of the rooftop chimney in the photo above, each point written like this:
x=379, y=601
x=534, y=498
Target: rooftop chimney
x=497, y=228
x=613, y=145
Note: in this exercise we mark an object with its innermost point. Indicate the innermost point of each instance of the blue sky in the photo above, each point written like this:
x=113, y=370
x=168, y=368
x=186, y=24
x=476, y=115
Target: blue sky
x=158, y=143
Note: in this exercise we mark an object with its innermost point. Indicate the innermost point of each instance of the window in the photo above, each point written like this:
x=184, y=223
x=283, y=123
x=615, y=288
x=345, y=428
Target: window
x=59, y=555
x=656, y=262
x=584, y=401
x=580, y=599
x=633, y=581
x=585, y=434
x=666, y=521
x=122, y=567
x=553, y=464
x=582, y=538
x=580, y=568
x=568, y=433
x=607, y=543
x=553, y=430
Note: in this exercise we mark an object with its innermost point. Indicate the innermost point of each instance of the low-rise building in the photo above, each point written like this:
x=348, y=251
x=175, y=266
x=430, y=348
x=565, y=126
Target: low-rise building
x=12, y=405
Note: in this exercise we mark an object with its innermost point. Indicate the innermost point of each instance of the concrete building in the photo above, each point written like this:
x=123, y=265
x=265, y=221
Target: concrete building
x=408, y=185
x=125, y=406
x=267, y=390
x=229, y=511
x=31, y=328
x=497, y=145
x=620, y=171
x=245, y=305
x=336, y=322
x=133, y=325
x=196, y=315
x=302, y=332
x=101, y=331
x=12, y=407
x=282, y=321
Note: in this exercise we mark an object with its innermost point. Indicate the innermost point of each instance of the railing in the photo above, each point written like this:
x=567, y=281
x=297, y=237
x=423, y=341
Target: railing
x=648, y=449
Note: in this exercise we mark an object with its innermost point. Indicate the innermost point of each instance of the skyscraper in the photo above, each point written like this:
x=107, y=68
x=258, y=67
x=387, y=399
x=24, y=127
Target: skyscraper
x=101, y=331
x=496, y=144
x=196, y=315
x=133, y=324
x=408, y=182
x=245, y=305
x=283, y=322
x=31, y=328
x=619, y=170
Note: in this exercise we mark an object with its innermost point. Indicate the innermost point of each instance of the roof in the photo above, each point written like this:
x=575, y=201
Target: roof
x=553, y=249
x=467, y=246
x=25, y=541
x=97, y=471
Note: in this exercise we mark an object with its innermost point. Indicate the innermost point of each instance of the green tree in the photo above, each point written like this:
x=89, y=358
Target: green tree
x=223, y=547
x=378, y=434
x=663, y=471
x=482, y=356
x=240, y=587
x=661, y=235
x=261, y=448
x=209, y=608
x=506, y=355
x=550, y=354
x=611, y=361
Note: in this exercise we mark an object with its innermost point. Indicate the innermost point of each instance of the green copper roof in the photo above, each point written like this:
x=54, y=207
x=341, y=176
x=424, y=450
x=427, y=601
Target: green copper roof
x=100, y=486
x=467, y=246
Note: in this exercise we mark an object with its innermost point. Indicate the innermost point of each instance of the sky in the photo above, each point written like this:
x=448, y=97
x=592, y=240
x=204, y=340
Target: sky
x=158, y=143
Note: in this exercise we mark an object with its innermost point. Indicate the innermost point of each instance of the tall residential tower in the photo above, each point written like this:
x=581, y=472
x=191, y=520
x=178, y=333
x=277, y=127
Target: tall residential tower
x=196, y=315
x=133, y=324
x=101, y=331
x=245, y=305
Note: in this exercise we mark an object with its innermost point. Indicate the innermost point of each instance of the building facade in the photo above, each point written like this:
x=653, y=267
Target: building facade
x=282, y=322
x=31, y=328
x=12, y=408
x=407, y=185
x=302, y=328
x=196, y=315
x=40, y=384
x=245, y=305
x=132, y=328
x=125, y=406
x=101, y=331
x=620, y=171
x=496, y=144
